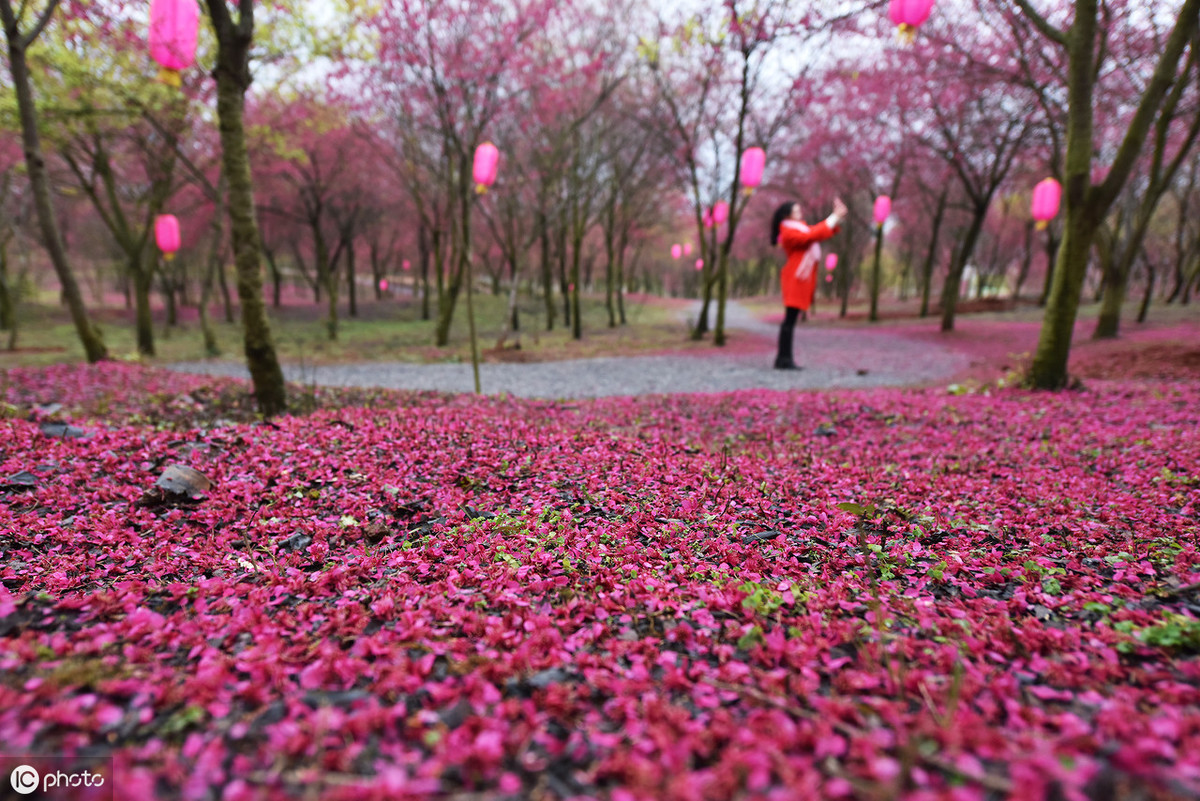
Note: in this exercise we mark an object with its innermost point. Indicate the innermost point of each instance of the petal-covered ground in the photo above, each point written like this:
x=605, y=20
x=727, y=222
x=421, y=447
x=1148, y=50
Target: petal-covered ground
x=419, y=595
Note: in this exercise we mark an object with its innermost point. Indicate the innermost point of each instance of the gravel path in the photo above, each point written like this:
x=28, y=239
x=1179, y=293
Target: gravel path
x=832, y=357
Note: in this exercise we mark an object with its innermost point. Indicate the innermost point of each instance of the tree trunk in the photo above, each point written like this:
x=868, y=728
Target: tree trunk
x=722, y=291
x=701, y=327
x=211, y=347
x=547, y=271
x=512, y=316
x=213, y=261
x=327, y=278
x=843, y=281
x=1177, y=288
x=465, y=263
x=563, y=283
x=1116, y=280
x=233, y=79
x=1026, y=261
x=423, y=257
x=620, y=281
x=1145, y=307
x=167, y=284
x=931, y=255
x=182, y=285
x=873, y=315
x=276, y=277
x=706, y=287
x=377, y=271
x=226, y=297
x=609, y=270
x=1052, y=244
x=446, y=303
x=576, y=322
x=1189, y=281
x=950, y=289
x=35, y=164
x=493, y=275
x=1049, y=367
x=8, y=310
x=439, y=267
x=142, y=284
x=351, y=279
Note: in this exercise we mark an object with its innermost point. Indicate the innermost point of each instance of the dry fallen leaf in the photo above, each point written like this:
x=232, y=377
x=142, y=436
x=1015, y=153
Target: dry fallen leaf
x=177, y=479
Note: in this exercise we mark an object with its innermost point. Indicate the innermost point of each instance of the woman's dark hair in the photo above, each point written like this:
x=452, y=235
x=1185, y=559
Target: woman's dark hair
x=781, y=214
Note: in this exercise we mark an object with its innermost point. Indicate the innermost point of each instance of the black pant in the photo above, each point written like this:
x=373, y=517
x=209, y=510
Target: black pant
x=786, y=330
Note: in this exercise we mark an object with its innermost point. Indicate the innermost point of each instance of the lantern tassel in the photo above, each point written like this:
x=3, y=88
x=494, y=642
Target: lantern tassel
x=481, y=189
x=168, y=256
x=749, y=191
x=906, y=33
x=170, y=78
x=1042, y=225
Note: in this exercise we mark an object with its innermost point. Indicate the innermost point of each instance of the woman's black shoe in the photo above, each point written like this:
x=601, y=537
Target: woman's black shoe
x=786, y=366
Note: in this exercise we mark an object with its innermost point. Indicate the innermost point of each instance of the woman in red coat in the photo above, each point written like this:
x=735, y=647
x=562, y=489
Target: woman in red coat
x=799, y=277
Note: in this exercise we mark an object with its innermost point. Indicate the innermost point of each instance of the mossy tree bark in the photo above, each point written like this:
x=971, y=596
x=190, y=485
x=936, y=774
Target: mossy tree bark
x=35, y=163
x=232, y=73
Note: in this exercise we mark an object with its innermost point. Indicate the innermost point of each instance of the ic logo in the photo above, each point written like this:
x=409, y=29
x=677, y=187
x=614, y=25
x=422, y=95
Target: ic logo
x=24, y=779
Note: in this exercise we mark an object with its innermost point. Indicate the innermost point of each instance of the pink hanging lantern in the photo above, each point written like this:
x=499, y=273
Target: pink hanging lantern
x=753, y=161
x=831, y=261
x=699, y=264
x=828, y=277
x=1046, y=197
x=720, y=212
x=707, y=219
x=687, y=248
x=406, y=265
x=676, y=251
x=383, y=284
x=172, y=38
x=166, y=235
x=487, y=161
x=908, y=15
x=883, y=207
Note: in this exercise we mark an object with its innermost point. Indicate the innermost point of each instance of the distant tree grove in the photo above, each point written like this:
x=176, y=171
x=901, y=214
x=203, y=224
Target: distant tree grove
x=332, y=154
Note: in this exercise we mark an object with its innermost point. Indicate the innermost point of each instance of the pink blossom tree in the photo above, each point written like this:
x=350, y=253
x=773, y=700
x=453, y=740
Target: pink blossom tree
x=445, y=70
x=1119, y=241
x=1078, y=36
x=973, y=124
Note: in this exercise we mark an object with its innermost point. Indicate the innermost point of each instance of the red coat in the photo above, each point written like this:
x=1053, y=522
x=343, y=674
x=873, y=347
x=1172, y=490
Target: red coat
x=799, y=277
